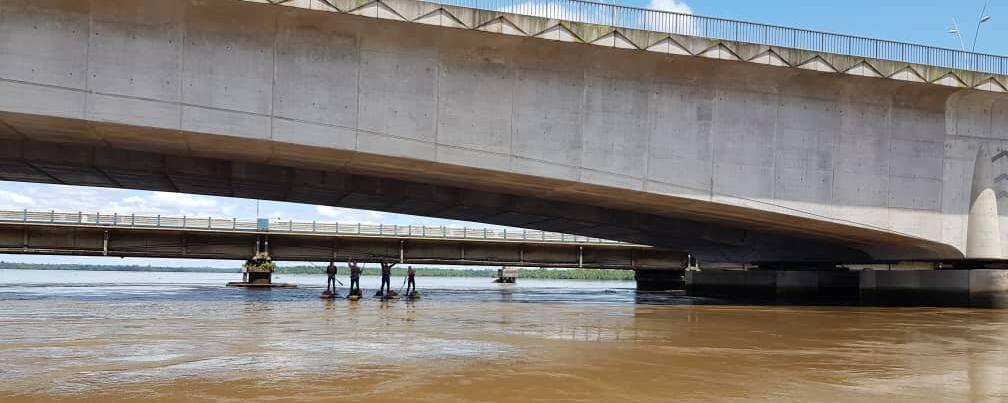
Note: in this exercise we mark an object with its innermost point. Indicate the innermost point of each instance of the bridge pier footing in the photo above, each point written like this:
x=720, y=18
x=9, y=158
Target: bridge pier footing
x=973, y=288
x=660, y=280
x=259, y=272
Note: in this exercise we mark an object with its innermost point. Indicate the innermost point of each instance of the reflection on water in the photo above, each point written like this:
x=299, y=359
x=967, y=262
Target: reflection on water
x=182, y=336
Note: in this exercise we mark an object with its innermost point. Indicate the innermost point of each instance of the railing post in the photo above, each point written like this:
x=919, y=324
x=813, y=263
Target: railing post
x=313, y=226
x=234, y=223
x=444, y=232
x=505, y=234
x=423, y=230
x=184, y=221
x=24, y=215
x=381, y=229
x=465, y=232
x=80, y=217
x=52, y=216
x=158, y=223
x=358, y=228
x=115, y=219
x=290, y=226
x=97, y=219
x=209, y=222
x=524, y=234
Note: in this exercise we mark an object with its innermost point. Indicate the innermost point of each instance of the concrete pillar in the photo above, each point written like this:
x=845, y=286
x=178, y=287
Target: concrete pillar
x=786, y=286
x=260, y=278
x=982, y=288
x=988, y=288
x=915, y=287
x=660, y=280
x=983, y=230
x=731, y=284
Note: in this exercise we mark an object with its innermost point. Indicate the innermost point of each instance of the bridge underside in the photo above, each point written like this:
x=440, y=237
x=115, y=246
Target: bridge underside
x=727, y=161
x=241, y=245
x=106, y=155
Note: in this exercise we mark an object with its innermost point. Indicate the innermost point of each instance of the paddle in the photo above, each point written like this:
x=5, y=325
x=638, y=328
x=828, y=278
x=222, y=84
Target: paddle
x=403, y=285
x=334, y=278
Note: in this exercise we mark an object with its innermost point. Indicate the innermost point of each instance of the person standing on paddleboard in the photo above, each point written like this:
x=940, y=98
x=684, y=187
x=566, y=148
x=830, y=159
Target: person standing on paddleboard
x=410, y=282
x=386, y=279
x=331, y=281
x=355, y=272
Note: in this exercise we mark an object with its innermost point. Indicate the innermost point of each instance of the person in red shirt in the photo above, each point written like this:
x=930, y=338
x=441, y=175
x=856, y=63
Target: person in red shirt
x=410, y=281
x=355, y=273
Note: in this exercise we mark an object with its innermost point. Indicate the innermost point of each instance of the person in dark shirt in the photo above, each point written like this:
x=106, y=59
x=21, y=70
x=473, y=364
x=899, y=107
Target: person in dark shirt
x=331, y=280
x=386, y=279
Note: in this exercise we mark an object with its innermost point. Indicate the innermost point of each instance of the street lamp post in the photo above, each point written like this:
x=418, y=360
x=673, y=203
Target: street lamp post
x=983, y=18
x=976, y=34
x=955, y=31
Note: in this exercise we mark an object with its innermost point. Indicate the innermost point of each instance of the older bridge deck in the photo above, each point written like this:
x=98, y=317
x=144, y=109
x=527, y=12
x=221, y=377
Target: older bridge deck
x=133, y=235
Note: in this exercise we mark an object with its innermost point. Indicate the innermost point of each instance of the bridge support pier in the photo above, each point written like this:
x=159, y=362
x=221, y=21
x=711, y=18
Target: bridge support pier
x=976, y=288
x=659, y=280
x=260, y=278
x=258, y=271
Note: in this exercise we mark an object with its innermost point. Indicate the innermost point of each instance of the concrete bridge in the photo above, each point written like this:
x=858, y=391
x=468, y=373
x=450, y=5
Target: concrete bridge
x=746, y=148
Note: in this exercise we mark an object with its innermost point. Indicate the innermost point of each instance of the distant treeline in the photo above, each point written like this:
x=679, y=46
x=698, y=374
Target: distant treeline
x=369, y=270
x=551, y=274
x=92, y=267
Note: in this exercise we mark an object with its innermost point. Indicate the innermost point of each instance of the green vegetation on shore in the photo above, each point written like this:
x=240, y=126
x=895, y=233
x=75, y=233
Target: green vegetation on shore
x=551, y=274
x=398, y=271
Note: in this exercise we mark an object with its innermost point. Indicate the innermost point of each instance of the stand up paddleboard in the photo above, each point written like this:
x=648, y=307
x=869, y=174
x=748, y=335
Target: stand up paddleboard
x=327, y=295
x=386, y=297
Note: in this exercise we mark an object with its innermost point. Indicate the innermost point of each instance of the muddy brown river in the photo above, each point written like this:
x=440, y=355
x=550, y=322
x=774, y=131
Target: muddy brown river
x=73, y=336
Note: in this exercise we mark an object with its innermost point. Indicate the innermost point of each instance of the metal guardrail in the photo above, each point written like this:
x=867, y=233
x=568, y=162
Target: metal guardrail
x=741, y=31
x=289, y=226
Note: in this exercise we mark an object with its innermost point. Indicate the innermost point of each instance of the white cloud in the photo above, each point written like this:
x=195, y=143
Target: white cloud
x=43, y=197
x=167, y=203
x=341, y=214
x=553, y=10
x=681, y=23
x=670, y=5
x=15, y=200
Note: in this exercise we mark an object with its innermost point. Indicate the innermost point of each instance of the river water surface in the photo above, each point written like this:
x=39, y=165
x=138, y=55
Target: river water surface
x=118, y=336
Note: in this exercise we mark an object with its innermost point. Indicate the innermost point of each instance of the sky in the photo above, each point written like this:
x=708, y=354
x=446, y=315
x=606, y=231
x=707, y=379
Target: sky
x=918, y=21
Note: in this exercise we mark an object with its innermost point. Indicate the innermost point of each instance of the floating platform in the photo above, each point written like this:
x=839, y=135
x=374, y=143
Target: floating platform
x=260, y=285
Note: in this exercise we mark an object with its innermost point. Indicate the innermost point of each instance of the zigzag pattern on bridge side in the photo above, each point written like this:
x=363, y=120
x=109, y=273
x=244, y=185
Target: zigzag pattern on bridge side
x=673, y=44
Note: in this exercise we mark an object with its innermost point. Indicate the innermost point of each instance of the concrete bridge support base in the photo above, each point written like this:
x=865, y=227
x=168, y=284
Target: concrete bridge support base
x=975, y=288
x=260, y=278
x=660, y=280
